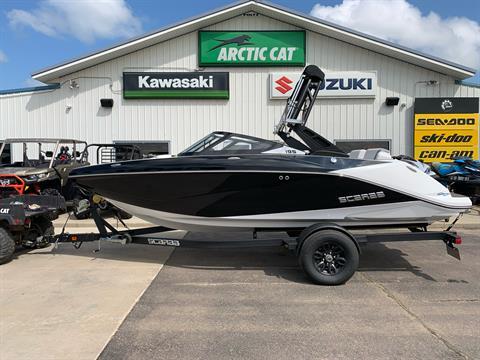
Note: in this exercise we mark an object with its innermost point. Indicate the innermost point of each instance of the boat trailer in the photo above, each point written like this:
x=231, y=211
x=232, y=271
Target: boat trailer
x=328, y=253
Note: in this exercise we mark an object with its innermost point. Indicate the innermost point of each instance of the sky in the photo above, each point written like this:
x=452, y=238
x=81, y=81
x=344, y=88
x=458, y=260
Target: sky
x=38, y=33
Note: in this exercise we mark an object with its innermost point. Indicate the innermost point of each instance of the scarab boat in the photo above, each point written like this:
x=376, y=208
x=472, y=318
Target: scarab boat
x=229, y=181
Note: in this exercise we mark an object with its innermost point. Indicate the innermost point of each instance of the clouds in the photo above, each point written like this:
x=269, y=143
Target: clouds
x=85, y=20
x=3, y=57
x=454, y=38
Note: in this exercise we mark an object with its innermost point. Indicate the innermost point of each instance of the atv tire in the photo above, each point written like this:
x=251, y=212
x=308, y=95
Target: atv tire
x=7, y=246
x=51, y=192
x=39, y=227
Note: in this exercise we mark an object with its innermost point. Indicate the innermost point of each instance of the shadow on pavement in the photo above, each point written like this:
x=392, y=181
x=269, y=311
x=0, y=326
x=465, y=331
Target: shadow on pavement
x=276, y=262
x=283, y=264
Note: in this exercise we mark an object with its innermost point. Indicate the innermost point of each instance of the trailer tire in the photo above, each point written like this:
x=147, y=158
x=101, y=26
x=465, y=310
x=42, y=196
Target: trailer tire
x=7, y=246
x=329, y=257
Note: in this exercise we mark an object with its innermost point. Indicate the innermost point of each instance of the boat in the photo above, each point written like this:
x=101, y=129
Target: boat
x=230, y=181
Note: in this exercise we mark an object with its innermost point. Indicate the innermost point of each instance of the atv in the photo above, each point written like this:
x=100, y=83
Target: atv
x=41, y=167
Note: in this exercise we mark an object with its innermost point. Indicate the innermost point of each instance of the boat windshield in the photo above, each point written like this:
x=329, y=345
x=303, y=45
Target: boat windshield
x=218, y=143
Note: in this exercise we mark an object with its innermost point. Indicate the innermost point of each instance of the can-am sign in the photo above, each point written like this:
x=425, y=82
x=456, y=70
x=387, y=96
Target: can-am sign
x=337, y=84
x=446, y=128
x=175, y=85
x=251, y=48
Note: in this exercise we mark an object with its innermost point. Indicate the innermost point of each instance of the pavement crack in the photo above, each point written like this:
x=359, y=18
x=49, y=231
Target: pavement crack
x=429, y=329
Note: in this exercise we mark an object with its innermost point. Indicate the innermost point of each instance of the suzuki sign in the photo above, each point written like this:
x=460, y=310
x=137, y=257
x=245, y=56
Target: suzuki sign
x=337, y=84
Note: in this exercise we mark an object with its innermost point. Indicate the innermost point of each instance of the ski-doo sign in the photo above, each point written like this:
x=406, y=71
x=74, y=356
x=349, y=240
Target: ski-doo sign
x=175, y=85
x=446, y=128
x=337, y=84
x=251, y=48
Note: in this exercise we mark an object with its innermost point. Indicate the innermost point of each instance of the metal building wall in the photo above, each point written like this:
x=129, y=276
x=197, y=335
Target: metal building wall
x=77, y=113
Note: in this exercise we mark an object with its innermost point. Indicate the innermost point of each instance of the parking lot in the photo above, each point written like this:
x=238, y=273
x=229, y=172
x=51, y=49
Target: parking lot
x=407, y=300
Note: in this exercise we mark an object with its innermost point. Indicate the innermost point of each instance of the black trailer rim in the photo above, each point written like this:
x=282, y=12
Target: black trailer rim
x=330, y=258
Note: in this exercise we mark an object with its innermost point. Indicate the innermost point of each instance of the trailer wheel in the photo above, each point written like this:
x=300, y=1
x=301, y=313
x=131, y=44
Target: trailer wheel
x=329, y=257
x=7, y=246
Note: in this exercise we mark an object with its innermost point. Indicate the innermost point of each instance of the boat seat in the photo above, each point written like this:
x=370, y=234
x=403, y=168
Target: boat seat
x=357, y=154
x=377, y=154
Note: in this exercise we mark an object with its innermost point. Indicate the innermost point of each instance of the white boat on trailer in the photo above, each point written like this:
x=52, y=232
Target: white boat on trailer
x=306, y=187
x=238, y=182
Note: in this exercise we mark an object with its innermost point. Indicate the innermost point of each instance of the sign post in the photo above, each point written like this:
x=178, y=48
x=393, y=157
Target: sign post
x=251, y=48
x=446, y=128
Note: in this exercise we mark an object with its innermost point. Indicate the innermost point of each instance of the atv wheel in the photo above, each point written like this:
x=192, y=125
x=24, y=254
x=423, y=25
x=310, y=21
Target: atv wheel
x=39, y=227
x=7, y=246
x=51, y=192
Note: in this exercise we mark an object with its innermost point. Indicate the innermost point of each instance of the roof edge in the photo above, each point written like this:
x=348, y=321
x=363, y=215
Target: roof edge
x=39, y=72
x=30, y=89
x=265, y=4
x=367, y=36
x=467, y=83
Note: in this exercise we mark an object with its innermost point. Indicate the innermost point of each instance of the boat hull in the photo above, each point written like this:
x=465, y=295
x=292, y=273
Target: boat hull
x=391, y=215
x=270, y=192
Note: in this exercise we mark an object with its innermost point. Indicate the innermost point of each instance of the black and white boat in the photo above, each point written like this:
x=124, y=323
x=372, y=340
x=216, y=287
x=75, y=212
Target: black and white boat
x=229, y=181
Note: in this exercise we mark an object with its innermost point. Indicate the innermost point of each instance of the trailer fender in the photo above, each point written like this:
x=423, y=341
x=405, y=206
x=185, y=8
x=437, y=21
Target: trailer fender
x=324, y=226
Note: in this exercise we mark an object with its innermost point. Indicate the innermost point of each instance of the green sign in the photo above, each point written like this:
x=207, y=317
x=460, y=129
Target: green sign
x=251, y=48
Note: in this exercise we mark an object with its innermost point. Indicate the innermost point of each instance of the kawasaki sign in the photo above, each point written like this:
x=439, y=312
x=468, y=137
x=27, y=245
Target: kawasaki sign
x=175, y=85
x=251, y=48
x=337, y=84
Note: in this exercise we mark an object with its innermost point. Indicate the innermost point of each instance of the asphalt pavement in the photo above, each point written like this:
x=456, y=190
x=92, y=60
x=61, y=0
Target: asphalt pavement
x=408, y=300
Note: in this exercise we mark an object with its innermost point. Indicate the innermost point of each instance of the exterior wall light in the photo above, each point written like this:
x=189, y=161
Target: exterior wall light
x=106, y=103
x=392, y=101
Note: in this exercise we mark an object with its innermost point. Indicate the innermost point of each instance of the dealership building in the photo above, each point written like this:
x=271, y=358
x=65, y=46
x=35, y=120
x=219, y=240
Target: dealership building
x=233, y=68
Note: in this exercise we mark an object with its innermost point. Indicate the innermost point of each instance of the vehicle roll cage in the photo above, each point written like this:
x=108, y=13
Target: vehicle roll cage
x=39, y=142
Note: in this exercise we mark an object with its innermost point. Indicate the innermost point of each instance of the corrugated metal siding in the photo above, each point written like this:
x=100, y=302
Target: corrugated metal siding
x=249, y=109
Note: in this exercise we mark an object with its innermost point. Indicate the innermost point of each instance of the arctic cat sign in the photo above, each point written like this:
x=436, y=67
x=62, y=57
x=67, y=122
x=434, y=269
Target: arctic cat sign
x=176, y=85
x=446, y=128
x=337, y=84
x=251, y=48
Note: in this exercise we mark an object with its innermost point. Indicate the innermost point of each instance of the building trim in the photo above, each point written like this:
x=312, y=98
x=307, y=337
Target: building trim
x=265, y=8
x=30, y=89
x=467, y=83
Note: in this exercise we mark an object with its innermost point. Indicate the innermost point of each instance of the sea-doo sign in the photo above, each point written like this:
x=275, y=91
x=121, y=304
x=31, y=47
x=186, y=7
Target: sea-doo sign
x=251, y=48
x=337, y=84
x=175, y=85
x=446, y=128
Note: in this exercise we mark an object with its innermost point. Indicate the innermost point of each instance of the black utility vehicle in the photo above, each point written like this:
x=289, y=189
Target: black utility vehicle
x=26, y=220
